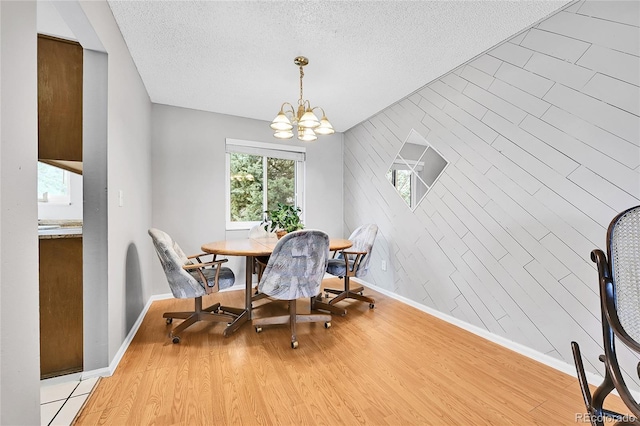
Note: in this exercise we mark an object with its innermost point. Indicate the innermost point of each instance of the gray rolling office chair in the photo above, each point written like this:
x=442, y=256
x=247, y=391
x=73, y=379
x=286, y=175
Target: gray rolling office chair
x=294, y=271
x=353, y=262
x=188, y=279
x=619, y=280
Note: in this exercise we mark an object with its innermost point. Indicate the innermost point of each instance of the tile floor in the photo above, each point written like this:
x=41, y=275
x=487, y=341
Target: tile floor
x=62, y=397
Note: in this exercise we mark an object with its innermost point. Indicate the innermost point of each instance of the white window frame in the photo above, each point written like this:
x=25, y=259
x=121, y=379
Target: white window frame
x=271, y=150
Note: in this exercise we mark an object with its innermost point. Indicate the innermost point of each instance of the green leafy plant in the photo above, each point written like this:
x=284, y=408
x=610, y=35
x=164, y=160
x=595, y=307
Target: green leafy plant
x=283, y=218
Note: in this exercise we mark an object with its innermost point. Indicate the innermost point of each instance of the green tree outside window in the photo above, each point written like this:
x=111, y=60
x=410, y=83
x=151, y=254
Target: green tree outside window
x=247, y=185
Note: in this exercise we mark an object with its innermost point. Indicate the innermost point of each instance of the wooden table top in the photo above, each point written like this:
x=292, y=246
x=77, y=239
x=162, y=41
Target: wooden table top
x=259, y=246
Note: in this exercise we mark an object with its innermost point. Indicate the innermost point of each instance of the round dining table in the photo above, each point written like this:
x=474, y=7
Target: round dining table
x=250, y=248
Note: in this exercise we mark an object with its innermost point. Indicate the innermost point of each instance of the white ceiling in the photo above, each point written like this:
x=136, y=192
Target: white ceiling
x=236, y=57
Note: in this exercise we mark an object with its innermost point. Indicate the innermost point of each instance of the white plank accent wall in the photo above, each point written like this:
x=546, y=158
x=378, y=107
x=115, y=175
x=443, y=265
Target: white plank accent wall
x=543, y=138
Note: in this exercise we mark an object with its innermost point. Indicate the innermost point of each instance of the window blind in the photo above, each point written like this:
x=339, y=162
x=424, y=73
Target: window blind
x=284, y=152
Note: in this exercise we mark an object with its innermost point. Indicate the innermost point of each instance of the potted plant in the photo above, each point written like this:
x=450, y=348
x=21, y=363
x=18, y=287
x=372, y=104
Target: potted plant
x=284, y=218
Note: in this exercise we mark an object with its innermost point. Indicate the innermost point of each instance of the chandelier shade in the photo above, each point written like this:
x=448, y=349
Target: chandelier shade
x=308, y=125
x=306, y=135
x=281, y=122
x=283, y=134
x=308, y=120
x=325, y=128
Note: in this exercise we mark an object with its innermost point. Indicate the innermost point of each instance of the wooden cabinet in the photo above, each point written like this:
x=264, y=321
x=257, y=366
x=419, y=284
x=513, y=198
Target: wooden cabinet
x=61, y=335
x=59, y=99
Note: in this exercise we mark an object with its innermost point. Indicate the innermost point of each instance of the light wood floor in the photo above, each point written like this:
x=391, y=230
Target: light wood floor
x=393, y=365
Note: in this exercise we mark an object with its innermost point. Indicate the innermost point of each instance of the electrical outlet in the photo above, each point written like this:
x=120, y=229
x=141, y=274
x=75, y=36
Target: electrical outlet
x=383, y=265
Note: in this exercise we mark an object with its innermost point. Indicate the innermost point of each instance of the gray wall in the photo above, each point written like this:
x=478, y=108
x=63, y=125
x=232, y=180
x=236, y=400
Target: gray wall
x=129, y=171
x=542, y=133
x=19, y=320
x=129, y=168
x=95, y=283
x=188, y=156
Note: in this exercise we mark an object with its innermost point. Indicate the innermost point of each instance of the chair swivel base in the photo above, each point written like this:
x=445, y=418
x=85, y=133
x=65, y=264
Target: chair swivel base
x=258, y=296
x=213, y=313
x=293, y=318
x=356, y=293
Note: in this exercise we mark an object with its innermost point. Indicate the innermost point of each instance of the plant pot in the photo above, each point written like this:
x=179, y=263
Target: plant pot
x=281, y=234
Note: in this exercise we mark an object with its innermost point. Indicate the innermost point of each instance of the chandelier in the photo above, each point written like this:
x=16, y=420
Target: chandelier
x=308, y=124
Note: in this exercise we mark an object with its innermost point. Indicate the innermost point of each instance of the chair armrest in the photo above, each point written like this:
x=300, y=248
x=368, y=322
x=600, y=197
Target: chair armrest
x=346, y=252
x=354, y=252
x=205, y=264
x=198, y=256
x=356, y=262
x=199, y=268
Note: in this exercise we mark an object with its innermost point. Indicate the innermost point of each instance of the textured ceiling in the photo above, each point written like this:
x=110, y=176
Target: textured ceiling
x=236, y=57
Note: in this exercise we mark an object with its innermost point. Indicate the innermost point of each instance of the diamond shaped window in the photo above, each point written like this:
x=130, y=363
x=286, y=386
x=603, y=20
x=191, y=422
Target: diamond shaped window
x=415, y=169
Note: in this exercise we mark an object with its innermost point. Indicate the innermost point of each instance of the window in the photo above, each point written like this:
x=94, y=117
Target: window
x=53, y=184
x=260, y=175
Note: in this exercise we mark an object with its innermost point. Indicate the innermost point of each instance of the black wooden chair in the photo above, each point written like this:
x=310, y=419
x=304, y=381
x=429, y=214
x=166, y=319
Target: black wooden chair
x=619, y=276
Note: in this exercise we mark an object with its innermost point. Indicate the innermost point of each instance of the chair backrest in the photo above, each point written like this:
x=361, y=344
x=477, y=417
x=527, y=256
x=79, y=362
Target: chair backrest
x=296, y=266
x=183, y=285
x=363, y=238
x=624, y=257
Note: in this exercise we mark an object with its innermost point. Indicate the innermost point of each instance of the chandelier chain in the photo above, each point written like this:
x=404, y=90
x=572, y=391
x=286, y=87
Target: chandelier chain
x=300, y=101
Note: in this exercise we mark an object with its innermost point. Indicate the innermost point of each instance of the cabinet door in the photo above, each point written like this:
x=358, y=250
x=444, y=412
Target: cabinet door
x=61, y=311
x=59, y=99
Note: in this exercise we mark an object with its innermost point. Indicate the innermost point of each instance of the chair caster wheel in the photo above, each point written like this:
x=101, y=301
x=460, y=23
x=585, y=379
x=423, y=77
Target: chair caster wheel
x=169, y=320
x=258, y=329
x=327, y=324
x=294, y=344
x=175, y=339
x=371, y=306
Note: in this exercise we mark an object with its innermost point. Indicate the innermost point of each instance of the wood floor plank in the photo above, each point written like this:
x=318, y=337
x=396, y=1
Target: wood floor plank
x=385, y=366
x=573, y=397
